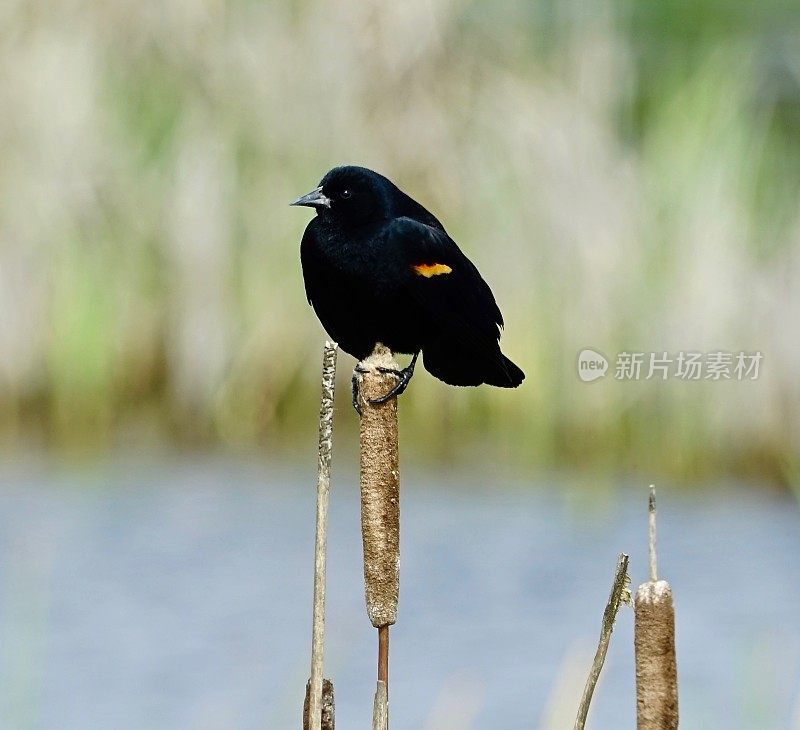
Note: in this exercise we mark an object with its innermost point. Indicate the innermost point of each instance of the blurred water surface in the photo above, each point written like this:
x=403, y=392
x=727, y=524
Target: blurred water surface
x=178, y=596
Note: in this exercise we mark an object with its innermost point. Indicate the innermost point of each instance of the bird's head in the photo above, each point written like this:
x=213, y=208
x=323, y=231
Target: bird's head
x=351, y=195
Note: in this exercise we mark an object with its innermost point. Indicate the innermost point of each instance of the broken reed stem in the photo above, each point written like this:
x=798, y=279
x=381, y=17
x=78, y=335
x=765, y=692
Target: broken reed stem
x=654, y=644
x=317, y=705
x=619, y=594
x=380, y=510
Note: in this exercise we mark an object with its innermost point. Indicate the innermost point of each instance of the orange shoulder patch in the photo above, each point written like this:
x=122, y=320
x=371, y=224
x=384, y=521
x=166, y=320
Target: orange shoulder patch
x=429, y=270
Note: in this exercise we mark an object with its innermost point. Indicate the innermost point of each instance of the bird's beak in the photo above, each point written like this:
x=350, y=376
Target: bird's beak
x=314, y=199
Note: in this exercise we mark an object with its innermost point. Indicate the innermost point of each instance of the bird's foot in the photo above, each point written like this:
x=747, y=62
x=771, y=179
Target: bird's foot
x=403, y=376
x=403, y=379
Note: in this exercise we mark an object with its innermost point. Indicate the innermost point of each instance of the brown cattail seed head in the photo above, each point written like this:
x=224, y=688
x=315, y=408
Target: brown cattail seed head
x=380, y=489
x=656, y=671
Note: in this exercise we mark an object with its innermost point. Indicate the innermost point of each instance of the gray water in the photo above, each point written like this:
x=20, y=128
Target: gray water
x=178, y=596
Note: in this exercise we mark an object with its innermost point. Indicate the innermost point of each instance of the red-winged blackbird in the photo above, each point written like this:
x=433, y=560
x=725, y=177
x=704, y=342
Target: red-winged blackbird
x=378, y=267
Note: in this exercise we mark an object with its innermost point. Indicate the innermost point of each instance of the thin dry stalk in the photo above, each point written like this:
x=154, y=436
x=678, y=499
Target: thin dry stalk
x=619, y=594
x=315, y=694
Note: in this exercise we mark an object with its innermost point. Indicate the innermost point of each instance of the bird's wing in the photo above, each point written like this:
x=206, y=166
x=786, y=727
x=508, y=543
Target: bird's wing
x=444, y=283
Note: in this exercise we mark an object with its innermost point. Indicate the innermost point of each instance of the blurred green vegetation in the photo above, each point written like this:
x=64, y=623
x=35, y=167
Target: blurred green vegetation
x=625, y=175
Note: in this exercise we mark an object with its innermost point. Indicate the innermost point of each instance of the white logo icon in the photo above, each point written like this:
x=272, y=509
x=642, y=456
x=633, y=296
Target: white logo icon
x=591, y=365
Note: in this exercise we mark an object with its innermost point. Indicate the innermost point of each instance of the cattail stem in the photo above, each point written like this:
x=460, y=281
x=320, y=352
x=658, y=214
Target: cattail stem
x=380, y=509
x=380, y=707
x=651, y=524
x=320, y=712
x=619, y=594
x=654, y=644
x=383, y=654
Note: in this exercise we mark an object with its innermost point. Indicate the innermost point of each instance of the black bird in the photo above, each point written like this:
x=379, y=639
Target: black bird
x=378, y=267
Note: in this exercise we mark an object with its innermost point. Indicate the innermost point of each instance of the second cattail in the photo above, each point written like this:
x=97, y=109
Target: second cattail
x=654, y=643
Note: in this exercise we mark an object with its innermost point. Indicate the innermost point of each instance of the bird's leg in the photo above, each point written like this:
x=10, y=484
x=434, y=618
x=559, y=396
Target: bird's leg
x=403, y=379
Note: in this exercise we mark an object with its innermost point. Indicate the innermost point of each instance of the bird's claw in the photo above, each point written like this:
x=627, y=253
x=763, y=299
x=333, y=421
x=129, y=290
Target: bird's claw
x=403, y=379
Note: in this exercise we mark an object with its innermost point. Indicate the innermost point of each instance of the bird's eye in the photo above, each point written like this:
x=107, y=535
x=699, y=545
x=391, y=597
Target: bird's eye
x=345, y=194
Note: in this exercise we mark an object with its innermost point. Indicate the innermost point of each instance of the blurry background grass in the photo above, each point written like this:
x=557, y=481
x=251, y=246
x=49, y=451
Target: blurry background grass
x=625, y=174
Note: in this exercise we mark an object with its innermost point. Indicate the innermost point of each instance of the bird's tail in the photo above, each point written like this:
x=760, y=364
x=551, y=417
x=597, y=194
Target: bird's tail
x=457, y=364
x=505, y=375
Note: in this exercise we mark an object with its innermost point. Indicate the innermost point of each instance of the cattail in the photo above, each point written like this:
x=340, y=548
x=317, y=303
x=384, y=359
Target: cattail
x=654, y=642
x=380, y=509
x=380, y=489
